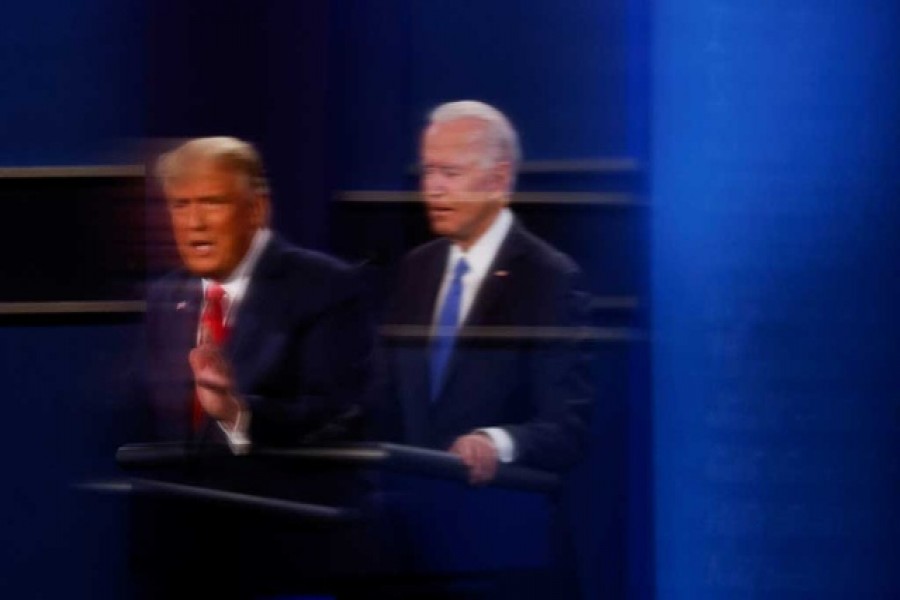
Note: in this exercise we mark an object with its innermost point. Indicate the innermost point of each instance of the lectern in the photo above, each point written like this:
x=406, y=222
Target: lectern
x=361, y=519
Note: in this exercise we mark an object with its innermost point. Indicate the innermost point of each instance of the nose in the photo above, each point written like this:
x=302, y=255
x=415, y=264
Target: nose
x=433, y=185
x=196, y=217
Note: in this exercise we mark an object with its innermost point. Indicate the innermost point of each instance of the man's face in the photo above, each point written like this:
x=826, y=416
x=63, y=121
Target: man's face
x=214, y=217
x=461, y=195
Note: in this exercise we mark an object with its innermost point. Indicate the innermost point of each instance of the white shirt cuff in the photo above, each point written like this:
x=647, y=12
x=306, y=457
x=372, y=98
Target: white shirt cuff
x=239, y=437
x=503, y=442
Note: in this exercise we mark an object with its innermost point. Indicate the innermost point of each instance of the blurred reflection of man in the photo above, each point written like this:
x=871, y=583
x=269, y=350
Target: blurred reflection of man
x=495, y=376
x=252, y=340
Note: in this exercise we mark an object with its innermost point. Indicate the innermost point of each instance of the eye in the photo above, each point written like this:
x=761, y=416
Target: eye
x=214, y=201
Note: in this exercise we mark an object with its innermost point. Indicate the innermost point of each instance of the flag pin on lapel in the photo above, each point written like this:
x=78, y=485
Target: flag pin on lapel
x=501, y=273
x=181, y=305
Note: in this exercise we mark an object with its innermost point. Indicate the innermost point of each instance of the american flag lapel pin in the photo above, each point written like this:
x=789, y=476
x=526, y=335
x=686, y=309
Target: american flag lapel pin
x=501, y=273
x=181, y=305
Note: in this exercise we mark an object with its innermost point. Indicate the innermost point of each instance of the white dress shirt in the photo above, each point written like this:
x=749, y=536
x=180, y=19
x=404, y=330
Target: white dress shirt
x=480, y=256
x=235, y=288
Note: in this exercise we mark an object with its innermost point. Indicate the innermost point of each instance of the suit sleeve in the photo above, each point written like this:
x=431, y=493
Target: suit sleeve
x=559, y=387
x=333, y=364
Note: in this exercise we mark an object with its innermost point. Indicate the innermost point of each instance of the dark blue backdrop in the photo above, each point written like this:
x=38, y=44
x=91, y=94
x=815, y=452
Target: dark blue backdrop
x=73, y=92
x=773, y=169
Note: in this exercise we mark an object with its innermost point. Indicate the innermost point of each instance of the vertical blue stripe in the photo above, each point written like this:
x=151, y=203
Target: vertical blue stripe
x=775, y=287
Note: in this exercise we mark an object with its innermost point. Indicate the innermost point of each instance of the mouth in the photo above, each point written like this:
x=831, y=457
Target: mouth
x=438, y=211
x=202, y=247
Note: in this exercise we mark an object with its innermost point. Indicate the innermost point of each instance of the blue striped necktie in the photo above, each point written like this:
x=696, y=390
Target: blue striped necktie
x=445, y=336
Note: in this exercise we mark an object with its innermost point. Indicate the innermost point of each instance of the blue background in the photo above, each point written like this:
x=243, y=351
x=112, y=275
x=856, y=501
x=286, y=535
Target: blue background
x=774, y=269
x=757, y=458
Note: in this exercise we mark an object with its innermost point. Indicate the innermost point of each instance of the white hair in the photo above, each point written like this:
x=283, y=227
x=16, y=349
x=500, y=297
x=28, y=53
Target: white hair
x=229, y=153
x=500, y=136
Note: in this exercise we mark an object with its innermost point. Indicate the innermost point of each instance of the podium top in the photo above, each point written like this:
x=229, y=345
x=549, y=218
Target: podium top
x=363, y=455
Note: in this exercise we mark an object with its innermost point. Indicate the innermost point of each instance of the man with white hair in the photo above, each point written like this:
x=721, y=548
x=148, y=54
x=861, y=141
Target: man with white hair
x=495, y=376
x=252, y=340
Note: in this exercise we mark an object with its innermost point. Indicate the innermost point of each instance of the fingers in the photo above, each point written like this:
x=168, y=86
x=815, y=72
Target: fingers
x=219, y=385
x=477, y=452
x=208, y=357
x=486, y=460
x=214, y=384
x=218, y=401
x=464, y=449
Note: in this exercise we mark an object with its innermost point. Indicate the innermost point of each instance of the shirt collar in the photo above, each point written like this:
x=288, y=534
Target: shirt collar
x=236, y=283
x=482, y=253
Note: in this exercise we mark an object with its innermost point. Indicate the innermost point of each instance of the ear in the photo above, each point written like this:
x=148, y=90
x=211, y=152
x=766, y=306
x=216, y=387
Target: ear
x=501, y=178
x=260, y=209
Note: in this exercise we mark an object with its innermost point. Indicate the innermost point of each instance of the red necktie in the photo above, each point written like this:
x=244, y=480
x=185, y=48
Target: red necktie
x=212, y=330
x=213, y=317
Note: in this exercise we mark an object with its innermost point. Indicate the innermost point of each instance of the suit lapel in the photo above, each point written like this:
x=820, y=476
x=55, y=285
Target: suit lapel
x=491, y=295
x=498, y=279
x=181, y=334
x=188, y=299
x=433, y=275
x=422, y=316
x=247, y=338
x=415, y=305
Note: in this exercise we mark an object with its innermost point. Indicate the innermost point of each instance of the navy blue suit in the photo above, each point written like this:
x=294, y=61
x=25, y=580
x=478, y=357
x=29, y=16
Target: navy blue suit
x=515, y=365
x=299, y=347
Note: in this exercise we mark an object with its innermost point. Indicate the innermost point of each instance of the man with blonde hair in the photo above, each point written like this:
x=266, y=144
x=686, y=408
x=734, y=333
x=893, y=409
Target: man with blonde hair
x=252, y=340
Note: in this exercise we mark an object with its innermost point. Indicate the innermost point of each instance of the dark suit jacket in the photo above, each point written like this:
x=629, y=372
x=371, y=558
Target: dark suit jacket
x=300, y=348
x=515, y=365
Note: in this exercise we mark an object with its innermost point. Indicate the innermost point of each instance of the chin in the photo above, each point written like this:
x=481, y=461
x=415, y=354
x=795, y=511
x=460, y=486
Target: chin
x=202, y=269
x=442, y=229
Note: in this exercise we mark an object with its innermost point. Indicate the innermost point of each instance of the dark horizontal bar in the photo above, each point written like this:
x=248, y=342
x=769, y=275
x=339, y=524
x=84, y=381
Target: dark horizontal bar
x=395, y=457
x=493, y=333
x=560, y=198
x=67, y=308
x=614, y=164
x=622, y=164
x=312, y=512
x=419, y=461
x=48, y=172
